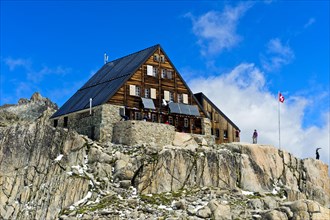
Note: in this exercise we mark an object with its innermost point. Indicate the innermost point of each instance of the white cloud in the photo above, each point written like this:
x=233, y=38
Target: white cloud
x=216, y=31
x=14, y=63
x=38, y=75
x=28, y=79
x=309, y=22
x=277, y=55
x=244, y=97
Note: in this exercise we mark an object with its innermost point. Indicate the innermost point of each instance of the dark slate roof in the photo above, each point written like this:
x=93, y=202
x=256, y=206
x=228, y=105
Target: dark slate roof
x=200, y=96
x=105, y=82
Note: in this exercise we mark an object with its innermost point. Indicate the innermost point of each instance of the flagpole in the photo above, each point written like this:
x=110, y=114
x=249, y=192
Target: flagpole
x=279, y=120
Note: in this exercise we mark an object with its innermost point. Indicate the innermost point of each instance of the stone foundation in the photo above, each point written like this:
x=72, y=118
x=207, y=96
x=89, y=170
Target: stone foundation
x=110, y=116
x=138, y=132
x=104, y=125
x=97, y=126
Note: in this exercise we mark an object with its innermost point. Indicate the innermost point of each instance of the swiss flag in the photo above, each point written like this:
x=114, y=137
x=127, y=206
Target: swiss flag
x=280, y=97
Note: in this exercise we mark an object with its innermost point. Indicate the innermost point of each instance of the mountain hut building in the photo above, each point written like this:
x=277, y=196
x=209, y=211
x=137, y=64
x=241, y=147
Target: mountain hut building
x=143, y=86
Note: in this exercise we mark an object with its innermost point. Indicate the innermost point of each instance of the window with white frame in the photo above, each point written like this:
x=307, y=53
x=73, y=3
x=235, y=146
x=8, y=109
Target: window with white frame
x=152, y=70
x=156, y=57
x=137, y=91
x=155, y=71
x=162, y=58
x=172, y=96
x=180, y=98
x=147, y=93
x=164, y=75
x=186, y=122
x=169, y=74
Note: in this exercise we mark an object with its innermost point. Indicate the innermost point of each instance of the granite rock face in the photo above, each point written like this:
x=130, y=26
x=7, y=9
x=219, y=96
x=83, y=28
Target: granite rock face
x=55, y=173
x=250, y=167
x=25, y=110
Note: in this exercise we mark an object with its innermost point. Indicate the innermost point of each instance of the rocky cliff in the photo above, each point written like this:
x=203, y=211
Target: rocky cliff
x=55, y=173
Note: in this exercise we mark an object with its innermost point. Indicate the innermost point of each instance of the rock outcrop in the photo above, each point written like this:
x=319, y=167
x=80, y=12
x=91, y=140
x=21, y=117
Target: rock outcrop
x=25, y=110
x=55, y=173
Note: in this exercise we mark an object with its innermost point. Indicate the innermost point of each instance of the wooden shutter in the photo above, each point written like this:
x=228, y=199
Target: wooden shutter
x=167, y=95
x=152, y=93
x=132, y=90
x=149, y=70
x=185, y=98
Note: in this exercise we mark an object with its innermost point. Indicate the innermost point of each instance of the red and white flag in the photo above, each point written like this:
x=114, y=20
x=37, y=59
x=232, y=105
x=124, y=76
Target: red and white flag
x=280, y=97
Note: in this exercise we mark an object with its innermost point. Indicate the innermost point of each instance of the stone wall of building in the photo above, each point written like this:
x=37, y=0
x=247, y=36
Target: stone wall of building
x=103, y=125
x=110, y=116
x=80, y=122
x=206, y=126
x=86, y=124
x=98, y=125
x=137, y=132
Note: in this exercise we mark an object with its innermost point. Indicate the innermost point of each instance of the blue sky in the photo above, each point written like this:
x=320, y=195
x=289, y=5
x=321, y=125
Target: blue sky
x=239, y=53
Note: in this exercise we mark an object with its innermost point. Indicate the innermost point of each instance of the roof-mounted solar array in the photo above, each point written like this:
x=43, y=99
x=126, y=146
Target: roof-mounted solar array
x=106, y=82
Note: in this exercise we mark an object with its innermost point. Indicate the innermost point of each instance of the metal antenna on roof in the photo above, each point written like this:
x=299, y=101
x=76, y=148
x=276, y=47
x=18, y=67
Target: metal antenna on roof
x=105, y=58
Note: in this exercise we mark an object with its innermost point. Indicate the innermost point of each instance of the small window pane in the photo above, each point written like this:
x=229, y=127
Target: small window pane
x=155, y=71
x=137, y=91
x=164, y=73
x=147, y=93
x=172, y=96
x=170, y=120
x=162, y=59
x=225, y=134
x=186, y=122
x=217, y=133
x=180, y=98
x=169, y=74
x=154, y=118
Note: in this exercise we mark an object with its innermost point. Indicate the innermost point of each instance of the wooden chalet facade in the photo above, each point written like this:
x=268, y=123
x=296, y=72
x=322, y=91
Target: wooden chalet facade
x=152, y=90
x=144, y=86
x=224, y=130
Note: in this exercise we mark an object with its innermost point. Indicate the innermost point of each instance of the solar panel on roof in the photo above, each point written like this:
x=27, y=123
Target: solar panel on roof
x=194, y=110
x=183, y=109
x=174, y=108
x=148, y=103
x=105, y=82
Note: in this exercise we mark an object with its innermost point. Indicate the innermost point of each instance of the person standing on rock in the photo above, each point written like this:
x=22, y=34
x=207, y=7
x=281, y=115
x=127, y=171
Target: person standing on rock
x=317, y=153
x=255, y=136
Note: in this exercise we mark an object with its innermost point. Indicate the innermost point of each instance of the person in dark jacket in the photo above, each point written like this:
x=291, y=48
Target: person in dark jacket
x=317, y=153
x=255, y=136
